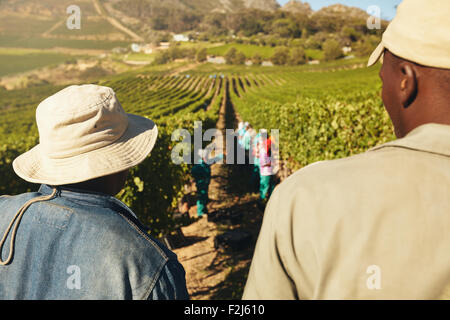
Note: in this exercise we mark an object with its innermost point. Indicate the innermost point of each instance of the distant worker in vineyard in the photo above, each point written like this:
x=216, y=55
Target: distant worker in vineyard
x=248, y=139
x=267, y=174
x=255, y=168
x=241, y=133
x=201, y=172
x=374, y=225
x=73, y=239
x=247, y=172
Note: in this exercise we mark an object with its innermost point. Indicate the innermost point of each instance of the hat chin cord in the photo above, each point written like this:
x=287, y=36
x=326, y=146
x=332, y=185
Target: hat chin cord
x=15, y=222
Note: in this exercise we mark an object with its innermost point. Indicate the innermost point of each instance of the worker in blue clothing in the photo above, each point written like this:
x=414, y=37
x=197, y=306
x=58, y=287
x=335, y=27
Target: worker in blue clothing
x=201, y=172
x=242, y=129
x=255, y=153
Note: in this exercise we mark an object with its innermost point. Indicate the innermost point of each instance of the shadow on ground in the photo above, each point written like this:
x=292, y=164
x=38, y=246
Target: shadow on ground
x=245, y=201
x=238, y=261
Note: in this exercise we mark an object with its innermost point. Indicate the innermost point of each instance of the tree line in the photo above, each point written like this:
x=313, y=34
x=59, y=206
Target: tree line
x=267, y=26
x=282, y=55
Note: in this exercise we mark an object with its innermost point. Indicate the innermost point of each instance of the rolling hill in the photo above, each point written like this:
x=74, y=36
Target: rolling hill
x=43, y=21
x=106, y=24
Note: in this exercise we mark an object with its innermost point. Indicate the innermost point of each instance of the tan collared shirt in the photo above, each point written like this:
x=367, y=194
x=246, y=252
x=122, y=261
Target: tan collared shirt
x=371, y=226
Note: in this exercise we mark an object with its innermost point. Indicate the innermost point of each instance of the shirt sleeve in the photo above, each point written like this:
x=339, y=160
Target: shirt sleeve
x=268, y=278
x=171, y=284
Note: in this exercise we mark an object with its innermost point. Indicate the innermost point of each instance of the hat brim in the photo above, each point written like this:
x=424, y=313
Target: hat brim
x=129, y=150
x=376, y=55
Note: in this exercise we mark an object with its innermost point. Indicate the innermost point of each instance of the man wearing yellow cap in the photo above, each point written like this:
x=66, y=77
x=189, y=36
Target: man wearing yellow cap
x=375, y=225
x=72, y=239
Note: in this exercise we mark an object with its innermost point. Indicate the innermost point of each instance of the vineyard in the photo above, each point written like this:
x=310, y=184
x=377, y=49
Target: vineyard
x=321, y=114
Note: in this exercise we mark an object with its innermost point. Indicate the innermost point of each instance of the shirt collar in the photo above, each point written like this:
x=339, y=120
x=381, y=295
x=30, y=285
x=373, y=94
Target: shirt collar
x=93, y=198
x=430, y=137
x=74, y=193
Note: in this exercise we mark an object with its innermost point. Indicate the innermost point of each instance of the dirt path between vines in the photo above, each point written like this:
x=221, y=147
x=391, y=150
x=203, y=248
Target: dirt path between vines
x=221, y=274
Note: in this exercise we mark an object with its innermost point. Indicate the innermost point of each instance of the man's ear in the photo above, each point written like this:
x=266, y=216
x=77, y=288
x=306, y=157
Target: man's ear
x=408, y=84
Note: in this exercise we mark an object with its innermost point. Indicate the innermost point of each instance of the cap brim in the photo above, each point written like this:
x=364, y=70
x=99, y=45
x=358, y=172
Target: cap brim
x=129, y=150
x=376, y=54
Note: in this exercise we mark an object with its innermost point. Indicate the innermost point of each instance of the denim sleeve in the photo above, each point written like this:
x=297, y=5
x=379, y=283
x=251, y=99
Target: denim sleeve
x=171, y=284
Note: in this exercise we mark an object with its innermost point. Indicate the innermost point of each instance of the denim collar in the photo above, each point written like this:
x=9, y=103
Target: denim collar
x=83, y=196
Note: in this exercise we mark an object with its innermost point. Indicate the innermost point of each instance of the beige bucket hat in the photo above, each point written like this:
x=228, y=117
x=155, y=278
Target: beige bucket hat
x=420, y=32
x=84, y=133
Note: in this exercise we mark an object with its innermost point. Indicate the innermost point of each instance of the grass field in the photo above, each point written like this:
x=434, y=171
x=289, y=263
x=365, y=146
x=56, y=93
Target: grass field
x=7, y=41
x=264, y=51
x=140, y=57
x=17, y=61
x=89, y=27
x=27, y=31
x=18, y=26
x=210, y=68
x=248, y=49
x=314, y=54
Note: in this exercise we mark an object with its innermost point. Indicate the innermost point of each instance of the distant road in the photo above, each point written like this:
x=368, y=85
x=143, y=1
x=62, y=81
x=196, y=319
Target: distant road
x=54, y=27
x=116, y=23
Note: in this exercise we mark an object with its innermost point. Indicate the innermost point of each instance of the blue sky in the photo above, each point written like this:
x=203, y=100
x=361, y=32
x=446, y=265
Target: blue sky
x=387, y=6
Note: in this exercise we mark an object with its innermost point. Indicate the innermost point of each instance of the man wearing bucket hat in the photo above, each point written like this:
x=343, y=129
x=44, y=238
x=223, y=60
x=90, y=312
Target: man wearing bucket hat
x=72, y=239
x=374, y=225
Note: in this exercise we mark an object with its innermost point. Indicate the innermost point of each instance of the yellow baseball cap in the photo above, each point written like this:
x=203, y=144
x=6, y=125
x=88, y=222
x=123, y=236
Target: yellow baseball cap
x=420, y=32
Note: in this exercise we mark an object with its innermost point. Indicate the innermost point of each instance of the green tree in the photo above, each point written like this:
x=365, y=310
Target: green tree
x=332, y=50
x=297, y=56
x=250, y=27
x=305, y=33
x=160, y=37
x=257, y=59
x=296, y=43
x=162, y=57
x=175, y=52
x=240, y=58
x=312, y=43
x=190, y=53
x=159, y=23
x=271, y=41
x=202, y=55
x=204, y=36
x=350, y=34
x=284, y=28
x=366, y=45
x=280, y=56
x=230, y=55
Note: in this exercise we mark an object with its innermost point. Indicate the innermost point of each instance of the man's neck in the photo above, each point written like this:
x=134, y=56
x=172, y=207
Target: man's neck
x=425, y=109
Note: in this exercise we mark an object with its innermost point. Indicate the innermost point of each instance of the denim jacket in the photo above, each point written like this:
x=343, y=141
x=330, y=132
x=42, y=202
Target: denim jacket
x=82, y=245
